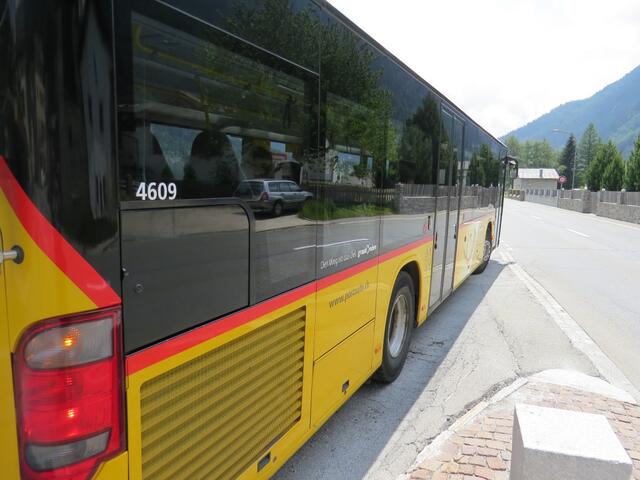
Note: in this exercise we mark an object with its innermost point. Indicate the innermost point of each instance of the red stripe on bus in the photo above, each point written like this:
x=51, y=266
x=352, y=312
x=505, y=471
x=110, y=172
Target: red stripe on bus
x=156, y=353
x=180, y=343
x=406, y=248
x=53, y=244
x=346, y=273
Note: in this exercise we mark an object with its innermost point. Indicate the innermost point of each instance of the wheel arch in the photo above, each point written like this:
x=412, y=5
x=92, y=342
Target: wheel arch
x=413, y=269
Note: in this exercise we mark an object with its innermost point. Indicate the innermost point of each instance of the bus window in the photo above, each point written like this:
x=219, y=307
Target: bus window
x=207, y=111
x=209, y=117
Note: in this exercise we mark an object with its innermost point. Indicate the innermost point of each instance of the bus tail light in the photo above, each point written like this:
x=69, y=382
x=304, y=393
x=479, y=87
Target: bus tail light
x=69, y=389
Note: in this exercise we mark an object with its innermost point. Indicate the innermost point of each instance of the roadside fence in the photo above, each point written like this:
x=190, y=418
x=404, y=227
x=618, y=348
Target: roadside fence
x=618, y=205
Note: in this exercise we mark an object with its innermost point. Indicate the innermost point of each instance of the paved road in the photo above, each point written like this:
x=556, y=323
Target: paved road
x=487, y=333
x=591, y=265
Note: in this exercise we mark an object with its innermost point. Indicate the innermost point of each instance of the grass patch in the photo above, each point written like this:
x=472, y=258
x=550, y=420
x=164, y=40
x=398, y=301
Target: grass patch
x=327, y=210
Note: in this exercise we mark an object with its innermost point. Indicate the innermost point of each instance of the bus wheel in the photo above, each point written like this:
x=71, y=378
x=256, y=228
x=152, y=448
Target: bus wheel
x=486, y=253
x=277, y=209
x=401, y=319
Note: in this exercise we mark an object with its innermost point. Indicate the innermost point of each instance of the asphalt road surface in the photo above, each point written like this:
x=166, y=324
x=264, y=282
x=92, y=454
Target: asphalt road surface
x=591, y=265
x=490, y=331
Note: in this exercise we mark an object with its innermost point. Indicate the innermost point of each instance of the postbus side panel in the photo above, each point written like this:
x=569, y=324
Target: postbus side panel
x=57, y=172
x=9, y=453
x=470, y=247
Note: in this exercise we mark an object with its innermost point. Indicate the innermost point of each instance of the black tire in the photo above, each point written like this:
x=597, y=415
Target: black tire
x=277, y=209
x=487, y=253
x=395, y=350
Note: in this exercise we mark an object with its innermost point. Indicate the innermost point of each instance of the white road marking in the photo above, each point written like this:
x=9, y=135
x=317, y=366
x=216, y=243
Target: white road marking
x=579, y=233
x=333, y=244
x=630, y=227
x=577, y=336
x=352, y=222
x=304, y=247
x=535, y=217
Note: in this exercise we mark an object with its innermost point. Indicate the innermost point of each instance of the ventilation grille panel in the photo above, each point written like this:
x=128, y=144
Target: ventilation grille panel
x=215, y=415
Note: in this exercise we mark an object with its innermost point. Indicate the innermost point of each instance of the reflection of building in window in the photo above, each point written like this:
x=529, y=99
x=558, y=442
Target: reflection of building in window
x=353, y=169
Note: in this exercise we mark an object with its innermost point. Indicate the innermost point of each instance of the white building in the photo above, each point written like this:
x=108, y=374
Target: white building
x=545, y=178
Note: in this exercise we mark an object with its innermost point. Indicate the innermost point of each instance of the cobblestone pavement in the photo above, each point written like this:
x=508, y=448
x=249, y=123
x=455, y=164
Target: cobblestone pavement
x=481, y=448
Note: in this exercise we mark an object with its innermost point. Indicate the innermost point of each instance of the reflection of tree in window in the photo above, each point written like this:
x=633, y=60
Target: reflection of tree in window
x=257, y=162
x=357, y=111
x=484, y=168
x=212, y=169
x=362, y=172
x=476, y=171
x=418, y=144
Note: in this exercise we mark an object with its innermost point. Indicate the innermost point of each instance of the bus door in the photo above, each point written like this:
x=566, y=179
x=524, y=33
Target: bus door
x=446, y=202
x=454, y=205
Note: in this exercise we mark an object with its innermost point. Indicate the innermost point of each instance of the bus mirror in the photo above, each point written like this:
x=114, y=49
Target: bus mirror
x=512, y=164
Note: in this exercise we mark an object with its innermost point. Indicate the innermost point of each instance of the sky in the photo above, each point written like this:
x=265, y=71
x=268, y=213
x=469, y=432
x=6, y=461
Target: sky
x=504, y=62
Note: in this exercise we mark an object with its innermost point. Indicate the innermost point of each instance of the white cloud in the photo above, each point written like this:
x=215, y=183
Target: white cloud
x=505, y=62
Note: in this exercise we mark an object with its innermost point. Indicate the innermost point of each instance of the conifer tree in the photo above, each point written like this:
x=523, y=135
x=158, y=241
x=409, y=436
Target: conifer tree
x=587, y=149
x=632, y=175
x=567, y=157
x=614, y=172
x=595, y=170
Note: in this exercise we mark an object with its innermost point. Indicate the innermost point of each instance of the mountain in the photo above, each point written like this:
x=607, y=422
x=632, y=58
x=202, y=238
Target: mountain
x=614, y=110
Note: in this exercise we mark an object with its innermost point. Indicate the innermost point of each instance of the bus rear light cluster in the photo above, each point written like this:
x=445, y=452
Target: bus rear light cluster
x=69, y=390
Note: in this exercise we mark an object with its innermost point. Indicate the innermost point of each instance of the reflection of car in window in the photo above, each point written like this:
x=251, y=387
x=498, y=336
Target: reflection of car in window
x=275, y=196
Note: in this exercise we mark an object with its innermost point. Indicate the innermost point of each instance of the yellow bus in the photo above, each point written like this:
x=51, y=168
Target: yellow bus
x=217, y=221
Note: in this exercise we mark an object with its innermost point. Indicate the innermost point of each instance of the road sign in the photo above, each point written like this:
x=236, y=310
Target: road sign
x=562, y=179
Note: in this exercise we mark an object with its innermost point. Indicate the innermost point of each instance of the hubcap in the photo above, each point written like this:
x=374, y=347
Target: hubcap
x=487, y=251
x=398, y=325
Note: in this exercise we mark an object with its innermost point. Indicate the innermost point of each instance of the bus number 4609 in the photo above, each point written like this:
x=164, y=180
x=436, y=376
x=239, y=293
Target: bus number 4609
x=157, y=191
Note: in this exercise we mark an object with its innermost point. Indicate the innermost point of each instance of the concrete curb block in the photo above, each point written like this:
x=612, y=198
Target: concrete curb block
x=558, y=377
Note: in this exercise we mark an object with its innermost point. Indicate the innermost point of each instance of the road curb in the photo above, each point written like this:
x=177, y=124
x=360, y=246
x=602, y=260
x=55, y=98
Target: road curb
x=578, y=337
x=465, y=419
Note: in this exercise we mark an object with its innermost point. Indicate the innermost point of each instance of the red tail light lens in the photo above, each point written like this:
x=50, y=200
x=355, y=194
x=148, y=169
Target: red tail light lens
x=68, y=378
x=264, y=196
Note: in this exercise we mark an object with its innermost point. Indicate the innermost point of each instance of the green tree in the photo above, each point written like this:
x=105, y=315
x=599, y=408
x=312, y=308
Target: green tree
x=476, y=172
x=490, y=166
x=614, y=172
x=546, y=155
x=513, y=145
x=567, y=158
x=588, y=146
x=358, y=111
x=537, y=154
x=361, y=171
x=632, y=174
x=595, y=172
x=418, y=143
